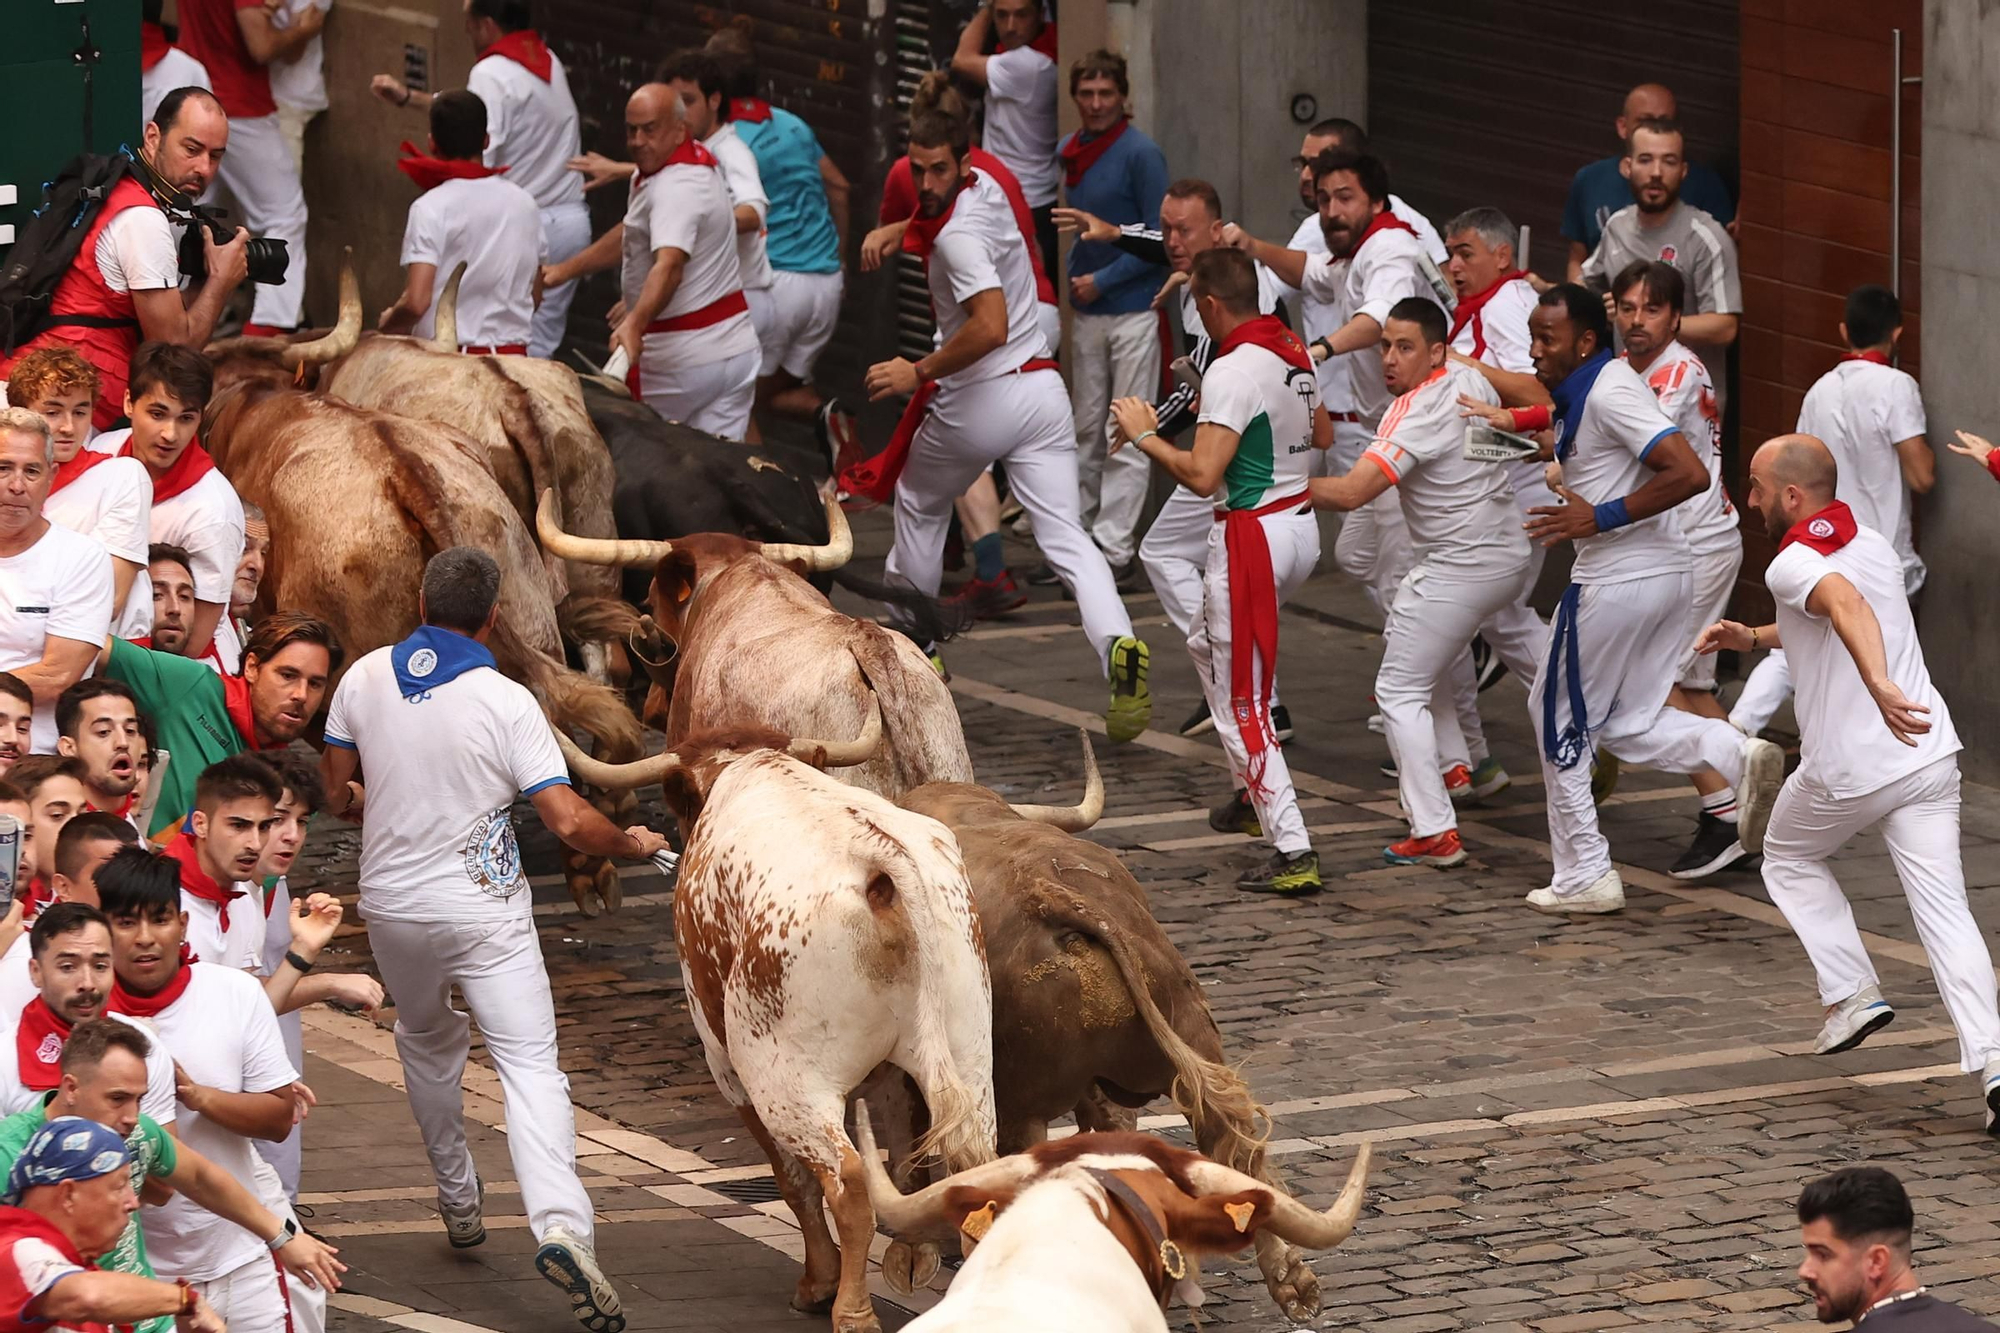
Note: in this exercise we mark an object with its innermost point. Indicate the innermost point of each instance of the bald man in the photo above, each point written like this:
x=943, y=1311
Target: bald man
x=683, y=323
x=1877, y=748
x=1600, y=189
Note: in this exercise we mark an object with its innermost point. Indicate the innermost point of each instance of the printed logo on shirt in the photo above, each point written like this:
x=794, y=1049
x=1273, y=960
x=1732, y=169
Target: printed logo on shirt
x=423, y=662
x=31, y=610
x=492, y=858
x=1667, y=254
x=50, y=1050
x=1821, y=528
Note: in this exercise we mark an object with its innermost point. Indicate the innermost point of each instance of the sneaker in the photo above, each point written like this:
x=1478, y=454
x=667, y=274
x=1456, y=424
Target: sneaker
x=839, y=433
x=1377, y=725
x=568, y=1262
x=936, y=656
x=465, y=1228
x=1853, y=1021
x=1763, y=774
x=1131, y=706
x=1198, y=723
x=1458, y=784
x=1440, y=849
x=1603, y=777
x=1281, y=723
x=1236, y=815
x=1605, y=894
x=1989, y=1089
x=1389, y=770
x=1715, y=847
x=1044, y=576
x=1293, y=876
x=1489, y=779
x=987, y=599
x=1010, y=508
x=1487, y=668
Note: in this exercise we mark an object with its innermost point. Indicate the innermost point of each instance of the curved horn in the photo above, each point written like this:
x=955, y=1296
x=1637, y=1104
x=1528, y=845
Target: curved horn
x=345, y=333
x=922, y=1213
x=1072, y=818
x=592, y=550
x=1291, y=1220
x=444, y=324
x=844, y=754
x=616, y=777
x=839, y=548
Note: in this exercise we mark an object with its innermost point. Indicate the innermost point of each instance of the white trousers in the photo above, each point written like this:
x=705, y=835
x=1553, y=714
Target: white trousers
x=292, y=122
x=1023, y=420
x=1764, y=693
x=259, y=171
x=1628, y=645
x=1918, y=814
x=1175, y=557
x=1714, y=583
x=257, y=1294
x=497, y=967
x=567, y=227
x=1294, y=542
x=1111, y=356
x=715, y=396
x=795, y=317
x=1434, y=616
x=307, y=1302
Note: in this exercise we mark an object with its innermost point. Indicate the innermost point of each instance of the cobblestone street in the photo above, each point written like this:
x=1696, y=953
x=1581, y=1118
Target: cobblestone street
x=1578, y=1125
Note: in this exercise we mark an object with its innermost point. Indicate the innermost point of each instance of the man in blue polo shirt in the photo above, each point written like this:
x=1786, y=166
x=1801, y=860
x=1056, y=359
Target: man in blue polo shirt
x=1600, y=189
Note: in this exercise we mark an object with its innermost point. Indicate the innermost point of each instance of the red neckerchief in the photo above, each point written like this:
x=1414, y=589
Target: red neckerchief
x=692, y=153
x=1469, y=306
x=1273, y=335
x=123, y=811
x=526, y=49
x=1826, y=532
x=195, y=880
x=1383, y=221
x=38, y=1045
x=921, y=235
x=37, y=896
x=85, y=459
x=151, y=1006
x=1871, y=355
x=153, y=45
x=1079, y=157
x=236, y=702
x=193, y=464
x=1045, y=41
x=753, y=109
x=431, y=172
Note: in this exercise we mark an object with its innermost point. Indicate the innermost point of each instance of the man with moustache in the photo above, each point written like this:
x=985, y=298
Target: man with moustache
x=1877, y=748
x=1855, y=1227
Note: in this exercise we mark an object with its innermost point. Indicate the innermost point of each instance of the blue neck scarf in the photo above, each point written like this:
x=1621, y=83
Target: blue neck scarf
x=433, y=656
x=1570, y=396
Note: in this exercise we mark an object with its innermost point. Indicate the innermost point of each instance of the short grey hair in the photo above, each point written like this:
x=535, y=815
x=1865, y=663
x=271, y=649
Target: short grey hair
x=1492, y=226
x=21, y=421
x=254, y=514
x=461, y=585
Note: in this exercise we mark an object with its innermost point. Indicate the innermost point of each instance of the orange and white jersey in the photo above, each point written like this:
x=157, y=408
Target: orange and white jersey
x=1680, y=381
x=1460, y=511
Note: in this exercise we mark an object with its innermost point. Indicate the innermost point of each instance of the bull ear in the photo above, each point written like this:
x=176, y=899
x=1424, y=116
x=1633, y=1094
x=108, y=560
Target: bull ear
x=683, y=794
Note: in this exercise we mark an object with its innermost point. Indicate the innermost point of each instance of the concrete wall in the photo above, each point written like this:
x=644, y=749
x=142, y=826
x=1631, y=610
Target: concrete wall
x=1961, y=290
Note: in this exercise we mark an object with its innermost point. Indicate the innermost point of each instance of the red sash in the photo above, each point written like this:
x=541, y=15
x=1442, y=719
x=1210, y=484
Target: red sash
x=1253, y=628
x=196, y=881
x=504, y=349
x=84, y=460
x=38, y=1045
x=1826, y=532
x=526, y=49
x=1468, y=309
x=193, y=464
x=431, y=172
x=876, y=477
x=236, y=703
x=151, y=1006
x=1384, y=221
x=753, y=109
x=1273, y=335
x=713, y=313
x=1079, y=157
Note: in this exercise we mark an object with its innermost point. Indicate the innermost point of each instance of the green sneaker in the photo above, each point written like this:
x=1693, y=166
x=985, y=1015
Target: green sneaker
x=1236, y=815
x=936, y=656
x=1603, y=777
x=1292, y=876
x=1131, y=706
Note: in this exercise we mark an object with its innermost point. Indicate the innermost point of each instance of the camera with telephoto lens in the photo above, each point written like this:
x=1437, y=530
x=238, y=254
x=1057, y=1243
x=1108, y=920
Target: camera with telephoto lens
x=268, y=258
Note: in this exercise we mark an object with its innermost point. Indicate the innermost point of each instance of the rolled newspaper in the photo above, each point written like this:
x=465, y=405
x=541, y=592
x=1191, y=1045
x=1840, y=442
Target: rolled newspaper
x=667, y=859
x=618, y=365
x=1487, y=443
x=156, y=778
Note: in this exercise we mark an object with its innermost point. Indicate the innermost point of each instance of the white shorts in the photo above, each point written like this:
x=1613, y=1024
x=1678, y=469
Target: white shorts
x=1714, y=582
x=794, y=316
x=714, y=396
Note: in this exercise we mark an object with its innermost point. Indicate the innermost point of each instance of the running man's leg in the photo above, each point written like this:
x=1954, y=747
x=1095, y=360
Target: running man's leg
x=432, y=1040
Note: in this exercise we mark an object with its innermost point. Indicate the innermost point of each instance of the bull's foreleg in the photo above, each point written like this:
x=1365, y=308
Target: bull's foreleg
x=1226, y=1129
x=1098, y=1113
x=802, y=1193
x=853, y=1311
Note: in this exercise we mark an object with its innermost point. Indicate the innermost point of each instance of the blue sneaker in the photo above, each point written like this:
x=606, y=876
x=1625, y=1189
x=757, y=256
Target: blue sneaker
x=569, y=1264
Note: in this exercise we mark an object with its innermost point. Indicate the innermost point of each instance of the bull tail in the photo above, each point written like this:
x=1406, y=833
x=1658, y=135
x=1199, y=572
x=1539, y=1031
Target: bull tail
x=599, y=619
x=573, y=700
x=924, y=619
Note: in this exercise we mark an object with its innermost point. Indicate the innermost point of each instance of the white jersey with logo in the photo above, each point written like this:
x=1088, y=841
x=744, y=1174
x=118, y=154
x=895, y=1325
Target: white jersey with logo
x=1021, y=120
x=1461, y=512
x=685, y=206
x=1319, y=318
x=1861, y=411
x=1845, y=747
x=1679, y=380
x=980, y=248
x=59, y=588
x=442, y=774
x=113, y=502
x=1269, y=403
x=1387, y=268
x=746, y=186
x=1621, y=423
x=531, y=128
x=494, y=228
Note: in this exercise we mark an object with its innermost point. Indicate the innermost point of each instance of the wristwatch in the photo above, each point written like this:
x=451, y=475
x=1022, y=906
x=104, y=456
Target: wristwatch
x=285, y=1237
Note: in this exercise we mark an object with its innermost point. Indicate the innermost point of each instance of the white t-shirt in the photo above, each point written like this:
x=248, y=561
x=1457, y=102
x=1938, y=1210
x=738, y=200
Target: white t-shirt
x=16, y=986
x=1621, y=422
x=113, y=502
x=16, y=1096
x=225, y=652
x=494, y=228
x=531, y=128
x=1387, y=268
x=1461, y=512
x=1497, y=333
x=1021, y=120
x=1844, y=746
x=206, y=520
x=980, y=248
x=1319, y=318
x=223, y=1032
x=58, y=588
x=242, y=945
x=1269, y=404
x=746, y=186
x=1680, y=381
x=442, y=774
x=685, y=206
x=1862, y=411
x=177, y=69
x=139, y=251
x=300, y=84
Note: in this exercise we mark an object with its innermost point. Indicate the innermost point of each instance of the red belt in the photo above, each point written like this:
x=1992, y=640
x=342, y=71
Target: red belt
x=504, y=349
x=712, y=313
x=1352, y=418
x=1275, y=507
x=875, y=477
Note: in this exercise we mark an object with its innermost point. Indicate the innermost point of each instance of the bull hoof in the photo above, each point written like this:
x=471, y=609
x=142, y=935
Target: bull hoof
x=907, y=1267
x=812, y=1298
x=857, y=1321
x=583, y=891
x=610, y=888
x=1293, y=1286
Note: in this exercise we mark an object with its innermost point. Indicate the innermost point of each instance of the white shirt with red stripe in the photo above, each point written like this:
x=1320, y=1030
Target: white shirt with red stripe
x=1497, y=334
x=495, y=229
x=685, y=206
x=1460, y=511
x=979, y=248
x=746, y=186
x=1680, y=381
x=1862, y=410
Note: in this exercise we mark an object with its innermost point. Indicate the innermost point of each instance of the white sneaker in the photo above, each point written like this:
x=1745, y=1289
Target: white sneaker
x=568, y=1262
x=1850, y=1022
x=1989, y=1089
x=1377, y=725
x=1605, y=894
x=465, y=1228
x=1763, y=774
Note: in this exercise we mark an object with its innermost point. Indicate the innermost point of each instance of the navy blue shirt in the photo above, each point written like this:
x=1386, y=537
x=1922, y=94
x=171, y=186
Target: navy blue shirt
x=1122, y=187
x=1600, y=190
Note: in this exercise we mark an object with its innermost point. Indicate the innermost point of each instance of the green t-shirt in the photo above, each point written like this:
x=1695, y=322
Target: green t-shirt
x=189, y=707
x=153, y=1156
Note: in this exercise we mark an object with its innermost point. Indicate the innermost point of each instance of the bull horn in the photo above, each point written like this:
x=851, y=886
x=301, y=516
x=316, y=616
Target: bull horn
x=922, y=1213
x=444, y=323
x=1291, y=1220
x=616, y=777
x=346, y=332
x=592, y=550
x=1072, y=818
x=839, y=548
x=844, y=754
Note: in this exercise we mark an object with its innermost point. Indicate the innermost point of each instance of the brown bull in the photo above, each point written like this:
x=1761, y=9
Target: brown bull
x=1094, y=1010
x=761, y=647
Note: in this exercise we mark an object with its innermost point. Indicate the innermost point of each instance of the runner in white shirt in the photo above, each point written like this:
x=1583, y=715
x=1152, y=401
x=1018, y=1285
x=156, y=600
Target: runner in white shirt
x=445, y=745
x=217, y=851
x=232, y=632
x=468, y=214
x=163, y=66
x=1471, y=559
x=1877, y=749
x=1021, y=88
x=298, y=85
x=1259, y=428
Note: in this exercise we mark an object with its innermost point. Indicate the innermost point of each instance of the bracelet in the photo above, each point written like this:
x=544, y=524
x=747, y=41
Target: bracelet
x=1611, y=514
x=408, y=93
x=1753, y=638
x=188, y=1298
x=1142, y=435
x=1324, y=344
x=301, y=964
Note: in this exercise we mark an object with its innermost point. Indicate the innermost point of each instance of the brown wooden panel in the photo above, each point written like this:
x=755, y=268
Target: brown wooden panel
x=1763, y=408
x=1763, y=44
x=1835, y=268
x=1763, y=299
x=1811, y=210
x=1762, y=96
x=1763, y=145
x=1869, y=20
x=1846, y=62
x=1762, y=199
x=1759, y=353
x=1806, y=359
x=1836, y=164
x=1811, y=312
x=1840, y=113
x=1760, y=247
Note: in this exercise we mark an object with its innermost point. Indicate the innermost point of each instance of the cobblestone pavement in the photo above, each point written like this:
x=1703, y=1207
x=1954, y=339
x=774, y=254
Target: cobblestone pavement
x=1578, y=1125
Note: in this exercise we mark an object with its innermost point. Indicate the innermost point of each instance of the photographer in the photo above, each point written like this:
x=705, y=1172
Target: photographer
x=124, y=287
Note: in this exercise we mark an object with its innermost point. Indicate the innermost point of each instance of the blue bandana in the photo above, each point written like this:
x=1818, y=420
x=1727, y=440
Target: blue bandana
x=67, y=1148
x=433, y=656
x=1570, y=396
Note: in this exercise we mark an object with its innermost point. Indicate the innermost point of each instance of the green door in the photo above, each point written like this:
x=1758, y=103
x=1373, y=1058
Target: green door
x=64, y=64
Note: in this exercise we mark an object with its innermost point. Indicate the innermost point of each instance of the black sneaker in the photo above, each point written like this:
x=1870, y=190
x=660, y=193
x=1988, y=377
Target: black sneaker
x=1290, y=876
x=1130, y=576
x=1044, y=577
x=1487, y=668
x=1236, y=815
x=1198, y=722
x=1714, y=849
x=839, y=434
x=1281, y=723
